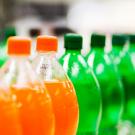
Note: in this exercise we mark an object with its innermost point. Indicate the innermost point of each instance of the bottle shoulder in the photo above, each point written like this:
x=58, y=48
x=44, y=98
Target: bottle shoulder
x=102, y=65
x=78, y=71
x=18, y=71
x=49, y=68
x=71, y=60
x=77, y=67
x=95, y=58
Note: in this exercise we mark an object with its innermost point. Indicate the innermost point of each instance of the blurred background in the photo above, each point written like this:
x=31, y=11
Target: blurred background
x=55, y=17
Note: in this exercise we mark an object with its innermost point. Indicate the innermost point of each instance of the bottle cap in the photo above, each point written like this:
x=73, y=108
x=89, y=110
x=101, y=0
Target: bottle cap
x=19, y=46
x=47, y=43
x=131, y=38
x=9, y=31
x=119, y=39
x=73, y=42
x=97, y=40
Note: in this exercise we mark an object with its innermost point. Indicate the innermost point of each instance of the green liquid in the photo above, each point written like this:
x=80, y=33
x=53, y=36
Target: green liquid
x=87, y=90
x=111, y=91
x=132, y=54
x=127, y=72
x=3, y=55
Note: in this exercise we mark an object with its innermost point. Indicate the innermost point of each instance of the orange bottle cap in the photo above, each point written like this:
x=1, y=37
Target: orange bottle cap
x=47, y=43
x=19, y=45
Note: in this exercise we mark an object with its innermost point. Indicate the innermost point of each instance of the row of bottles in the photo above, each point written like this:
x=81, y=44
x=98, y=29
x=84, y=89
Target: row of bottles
x=37, y=97
x=85, y=83
x=115, y=72
x=106, y=108
x=87, y=88
x=123, y=56
x=110, y=85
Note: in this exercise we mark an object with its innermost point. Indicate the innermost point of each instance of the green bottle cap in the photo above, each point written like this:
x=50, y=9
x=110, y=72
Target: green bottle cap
x=72, y=42
x=131, y=38
x=119, y=39
x=97, y=40
x=10, y=31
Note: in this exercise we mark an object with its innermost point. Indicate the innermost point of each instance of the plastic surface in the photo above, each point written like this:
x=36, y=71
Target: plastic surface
x=87, y=90
x=4, y=34
x=131, y=49
x=111, y=89
x=61, y=90
x=26, y=107
x=3, y=56
x=121, y=57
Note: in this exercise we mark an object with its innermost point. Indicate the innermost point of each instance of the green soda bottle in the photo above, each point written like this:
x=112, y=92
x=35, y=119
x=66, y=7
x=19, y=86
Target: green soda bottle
x=4, y=35
x=2, y=48
x=111, y=88
x=127, y=71
x=85, y=83
x=9, y=31
x=131, y=49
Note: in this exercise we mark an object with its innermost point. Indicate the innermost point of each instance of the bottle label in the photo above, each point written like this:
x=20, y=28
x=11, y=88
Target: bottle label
x=45, y=70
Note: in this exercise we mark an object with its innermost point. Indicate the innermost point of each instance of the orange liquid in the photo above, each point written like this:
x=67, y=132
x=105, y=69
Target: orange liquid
x=65, y=106
x=9, y=123
x=35, y=111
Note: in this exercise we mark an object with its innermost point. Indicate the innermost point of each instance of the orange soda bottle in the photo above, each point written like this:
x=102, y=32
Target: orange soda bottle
x=59, y=86
x=33, y=104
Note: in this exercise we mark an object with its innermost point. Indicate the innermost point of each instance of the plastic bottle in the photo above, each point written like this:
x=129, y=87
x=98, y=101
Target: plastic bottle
x=127, y=71
x=4, y=34
x=111, y=88
x=85, y=83
x=2, y=48
x=131, y=49
x=60, y=88
x=31, y=99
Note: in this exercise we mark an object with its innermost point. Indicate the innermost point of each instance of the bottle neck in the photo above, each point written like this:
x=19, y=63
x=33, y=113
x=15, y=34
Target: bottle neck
x=48, y=67
x=19, y=57
x=20, y=67
x=118, y=46
x=132, y=45
x=117, y=49
x=19, y=60
x=101, y=49
x=74, y=51
x=49, y=53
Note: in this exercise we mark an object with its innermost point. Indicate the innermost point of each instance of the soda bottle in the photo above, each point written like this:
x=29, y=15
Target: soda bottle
x=111, y=88
x=2, y=48
x=4, y=34
x=131, y=49
x=60, y=88
x=127, y=71
x=35, y=113
x=9, y=31
x=85, y=83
